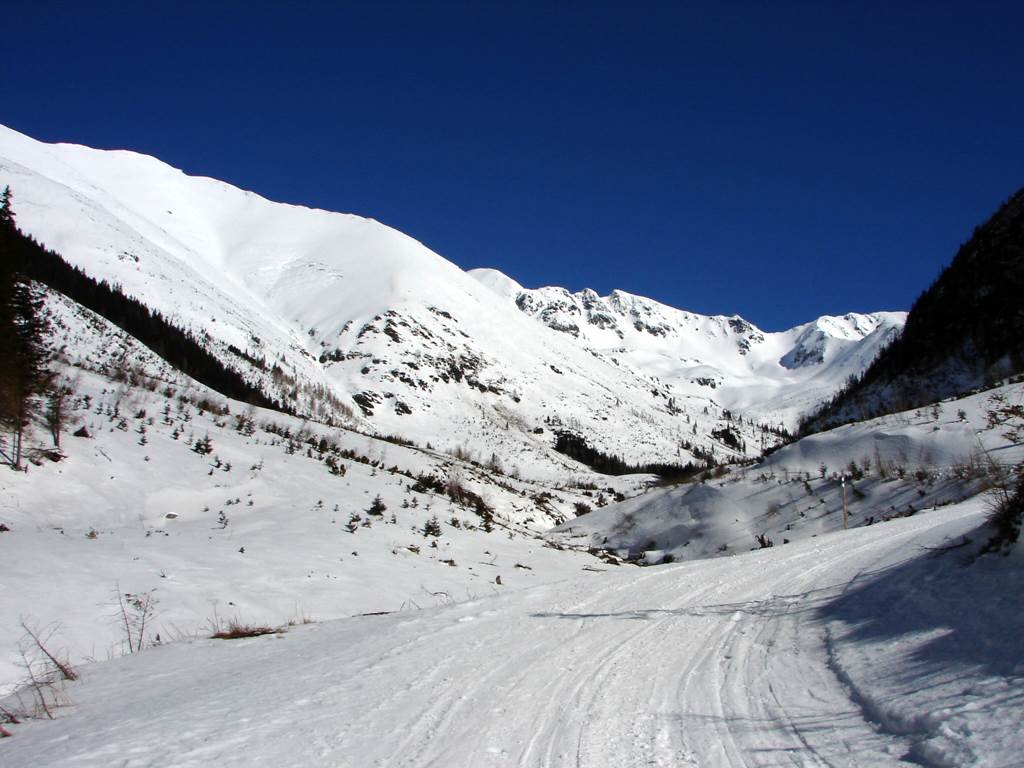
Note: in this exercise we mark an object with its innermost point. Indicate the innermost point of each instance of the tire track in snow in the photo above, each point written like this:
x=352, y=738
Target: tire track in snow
x=734, y=675
x=549, y=709
x=455, y=699
x=716, y=663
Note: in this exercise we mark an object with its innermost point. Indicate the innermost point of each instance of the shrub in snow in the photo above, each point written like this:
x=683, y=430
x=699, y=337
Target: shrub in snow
x=235, y=630
x=1006, y=513
x=582, y=508
x=45, y=671
x=203, y=446
x=432, y=527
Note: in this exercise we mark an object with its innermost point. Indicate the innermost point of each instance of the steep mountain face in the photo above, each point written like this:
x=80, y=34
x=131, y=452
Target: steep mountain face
x=339, y=316
x=771, y=377
x=964, y=332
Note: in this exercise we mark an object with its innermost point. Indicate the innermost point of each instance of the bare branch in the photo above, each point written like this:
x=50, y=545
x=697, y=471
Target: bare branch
x=65, y=669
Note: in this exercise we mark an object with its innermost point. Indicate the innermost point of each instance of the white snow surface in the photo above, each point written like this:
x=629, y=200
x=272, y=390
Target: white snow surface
x=356, y=315
x=878, y=645
x=845, y=648
x=898, y=465
x=863, y=648
x=258, y=530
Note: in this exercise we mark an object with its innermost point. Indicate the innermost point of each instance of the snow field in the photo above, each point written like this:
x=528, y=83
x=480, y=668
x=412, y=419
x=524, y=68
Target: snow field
x=754, y=660
x=904, y=464
x=878, y=645
x=257, y=530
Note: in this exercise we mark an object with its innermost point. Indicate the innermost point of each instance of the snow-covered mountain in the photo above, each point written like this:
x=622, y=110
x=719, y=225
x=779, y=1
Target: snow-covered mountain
x=771, y=377
x=340, y=316
x=269, y=521
x=168, y=512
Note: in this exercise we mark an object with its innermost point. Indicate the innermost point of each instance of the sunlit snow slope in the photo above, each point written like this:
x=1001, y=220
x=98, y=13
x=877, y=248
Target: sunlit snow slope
x=898, y=465
x=773, y=377
x=333, y=313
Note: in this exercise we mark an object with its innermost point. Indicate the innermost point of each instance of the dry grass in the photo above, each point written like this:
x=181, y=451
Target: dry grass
x=236, y=630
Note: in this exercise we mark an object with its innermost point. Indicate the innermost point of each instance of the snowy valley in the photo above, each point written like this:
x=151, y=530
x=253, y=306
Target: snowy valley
x=418, y=571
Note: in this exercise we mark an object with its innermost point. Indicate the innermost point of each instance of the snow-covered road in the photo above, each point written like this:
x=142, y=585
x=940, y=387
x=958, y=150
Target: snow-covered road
x=728, y=662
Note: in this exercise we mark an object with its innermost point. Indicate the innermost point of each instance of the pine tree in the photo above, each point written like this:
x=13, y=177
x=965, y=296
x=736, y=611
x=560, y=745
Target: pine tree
x=203, y=446
x=432, y=527
x=377, y=507
x=6, y=209
x=24, y=375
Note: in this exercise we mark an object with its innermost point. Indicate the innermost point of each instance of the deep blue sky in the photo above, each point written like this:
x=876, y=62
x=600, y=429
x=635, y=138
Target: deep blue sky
x=774, y=160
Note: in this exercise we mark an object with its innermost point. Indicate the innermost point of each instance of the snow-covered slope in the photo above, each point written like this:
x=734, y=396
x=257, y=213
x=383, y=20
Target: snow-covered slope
x=772, y=377
x=814, y=654
x=495, y=644
x=895, y=466
x=342, y=317
x=272, y=524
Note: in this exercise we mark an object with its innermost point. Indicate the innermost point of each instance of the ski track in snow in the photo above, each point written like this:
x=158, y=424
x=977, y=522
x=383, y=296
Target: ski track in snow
x=712, y=663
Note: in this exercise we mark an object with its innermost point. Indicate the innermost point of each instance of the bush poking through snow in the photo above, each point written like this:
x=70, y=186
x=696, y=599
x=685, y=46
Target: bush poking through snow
x=45, y=672
x=135, y=612
x=1006, y=513
x=39, y=639
x=236, y=630
x=7, y=718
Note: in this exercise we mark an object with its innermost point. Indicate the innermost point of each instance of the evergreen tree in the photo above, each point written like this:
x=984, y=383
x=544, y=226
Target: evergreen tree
x=23, y=375
x=6, y=210
x=963, y=332
x=377, y=507
x=179, y=347
x=432, y=527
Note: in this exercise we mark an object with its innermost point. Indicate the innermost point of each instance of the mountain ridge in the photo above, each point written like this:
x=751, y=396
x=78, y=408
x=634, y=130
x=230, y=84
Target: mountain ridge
x=719, y=346
x=335, y=303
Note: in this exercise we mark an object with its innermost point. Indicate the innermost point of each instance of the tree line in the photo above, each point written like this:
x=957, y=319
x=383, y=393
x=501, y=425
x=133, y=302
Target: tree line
x=575, y=447
x=24, y=374
x=963, y=332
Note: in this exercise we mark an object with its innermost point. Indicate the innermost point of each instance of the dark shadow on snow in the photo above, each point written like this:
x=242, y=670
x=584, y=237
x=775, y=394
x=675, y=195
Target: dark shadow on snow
x=775, y=605
x=971, y=610
x=972, y=607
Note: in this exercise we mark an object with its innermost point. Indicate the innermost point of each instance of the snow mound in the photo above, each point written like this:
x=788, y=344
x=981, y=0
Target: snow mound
x=894, y=466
